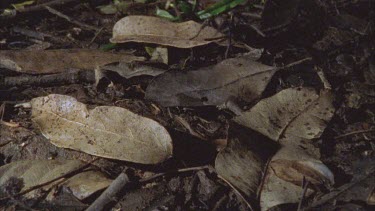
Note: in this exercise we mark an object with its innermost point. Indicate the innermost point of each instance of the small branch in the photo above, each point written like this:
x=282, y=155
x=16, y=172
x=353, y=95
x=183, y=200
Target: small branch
x=354, y=133
x=237, y=193
x=305, y=185
x=334, y=194
x=39, y=7
x=69, y=77
x=61, y=15
x=110, y=193
x=296, y=62
x=121, y=181
x=51, y=181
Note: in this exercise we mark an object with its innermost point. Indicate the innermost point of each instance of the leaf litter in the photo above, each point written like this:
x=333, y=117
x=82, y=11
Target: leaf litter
x=146, y=29
x=105, y=131
x=237, y=78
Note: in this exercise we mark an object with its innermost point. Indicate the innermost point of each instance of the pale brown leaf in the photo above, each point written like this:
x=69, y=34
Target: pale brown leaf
x=55, y=61
x=105, y=131
x=147, y=29
x=283, y=182
x=291, y=116
x=237, y=78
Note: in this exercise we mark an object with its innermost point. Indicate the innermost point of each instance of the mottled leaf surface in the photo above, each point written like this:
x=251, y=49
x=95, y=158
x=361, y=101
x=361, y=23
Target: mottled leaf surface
x=236, y=78
x=105, y=131
x=147, y=29
x=291, y=116
x=37, y=172
x=55, y=61
x=283, y=182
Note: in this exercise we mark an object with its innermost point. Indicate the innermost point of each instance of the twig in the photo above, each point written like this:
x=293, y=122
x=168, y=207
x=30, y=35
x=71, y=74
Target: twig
x=296, y=62
x=263, y=179
x=121, y=181
x=61, y=15
x=171, y=172
x=237, y=193
x=110, y=193
x=42, y=6
x=332, y=195
x=305, y=185
x=69, y=77
x=96, y=35
x=323, y=78
x=354, y=133
x=79, y=169
x=252, y=15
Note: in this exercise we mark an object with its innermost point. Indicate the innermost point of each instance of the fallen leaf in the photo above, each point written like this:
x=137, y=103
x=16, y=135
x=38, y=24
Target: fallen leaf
x=147, y=29
x=37, y=172
x=55, y=61
x=240, y=166
x=242, y=162
x=291, y=117
x=283, y=182
x=105, y=131
x=360, y=189
x=86, y=183
x=129, y=70
x=238, y=78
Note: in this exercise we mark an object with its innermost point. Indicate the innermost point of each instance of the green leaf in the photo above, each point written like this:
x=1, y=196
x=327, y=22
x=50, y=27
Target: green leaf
x=218, y=8
x=22, y=5
x=185, y=7
x=165, y=14
x=107, y=47
x=149, y=50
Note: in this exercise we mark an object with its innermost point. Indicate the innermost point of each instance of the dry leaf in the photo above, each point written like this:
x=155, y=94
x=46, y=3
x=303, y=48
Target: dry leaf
x=129, y=70
x=105, y=131
x=241, y=163
x=147, y=29
x=55, y=61
x=285, y=176
x=86, y=183
x=241, y=166
x=238, y=78
x=37, y=172
x=292, y=116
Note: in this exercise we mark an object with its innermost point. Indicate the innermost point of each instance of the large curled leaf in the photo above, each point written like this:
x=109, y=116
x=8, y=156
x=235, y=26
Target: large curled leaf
x=104, y=131
x=291, y=116
x=238, y=78
x=283, y=182
x=55, y=61
x=146, y=29
x=37, y=172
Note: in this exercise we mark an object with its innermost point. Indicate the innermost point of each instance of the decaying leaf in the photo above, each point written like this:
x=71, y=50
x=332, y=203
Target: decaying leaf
x=240, y=166
x=238, y=78
x=37, y=172
x=129, y=70
x=86, y=183
x=285, y=175
x=242, y=162
x=147, y=29
x=55, y=61
x=105, y=131
x=292, y=116
x=361, y=188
